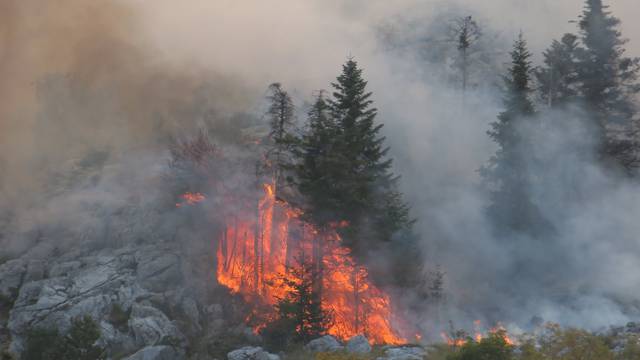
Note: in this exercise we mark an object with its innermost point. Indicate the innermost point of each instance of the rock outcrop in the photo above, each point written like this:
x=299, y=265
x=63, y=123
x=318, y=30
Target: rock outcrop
x=403, y=353
x=251, y=353
x=133, y=293
x=358, y=344
x=326, y=343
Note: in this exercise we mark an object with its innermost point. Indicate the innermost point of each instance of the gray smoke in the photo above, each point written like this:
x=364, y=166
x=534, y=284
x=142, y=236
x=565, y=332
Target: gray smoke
x=92, y=92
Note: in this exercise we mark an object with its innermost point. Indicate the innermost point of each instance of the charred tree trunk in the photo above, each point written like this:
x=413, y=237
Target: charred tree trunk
x=318, y=266
x=356, y=298
x=223, y=245
x=256, y=251
x=244, y=260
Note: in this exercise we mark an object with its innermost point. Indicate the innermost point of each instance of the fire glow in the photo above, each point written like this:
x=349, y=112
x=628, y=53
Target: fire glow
x=255, y=251
x=190, y=199
x=478, y=335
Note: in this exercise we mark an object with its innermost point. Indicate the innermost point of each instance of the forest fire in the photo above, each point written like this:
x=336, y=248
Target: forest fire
x=254, y=256
x=461, y=339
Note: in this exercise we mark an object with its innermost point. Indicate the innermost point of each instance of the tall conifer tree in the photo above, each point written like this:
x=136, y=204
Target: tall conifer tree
x=367, y=197
x=281, y=120
x=558, y=78
x=609, y=82
x=506, y=174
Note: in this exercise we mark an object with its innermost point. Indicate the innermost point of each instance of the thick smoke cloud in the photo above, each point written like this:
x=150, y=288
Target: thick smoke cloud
x=112, y=81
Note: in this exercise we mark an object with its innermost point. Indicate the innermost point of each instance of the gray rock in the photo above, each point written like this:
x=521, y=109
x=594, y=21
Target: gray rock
x=326, y=343
x=36, y=270
x=404, y=353
x=251, y=353
x=190, y=309
x=11, y=276
x=358, y=344
x=64, y=269
x=139, y=279
x=150, y=326
x=157, y=271
x=157, y=353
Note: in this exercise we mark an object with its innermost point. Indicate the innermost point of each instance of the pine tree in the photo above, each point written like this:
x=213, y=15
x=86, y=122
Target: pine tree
x=558, y=79
x=317, y=165
x=608, y=81
x=281, y=120
x=506, y=174
x=366, y=196
x=301, y=317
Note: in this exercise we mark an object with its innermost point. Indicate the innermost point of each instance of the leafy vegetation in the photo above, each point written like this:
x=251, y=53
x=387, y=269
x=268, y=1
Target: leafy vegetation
x=301, y=317
x=78, y=344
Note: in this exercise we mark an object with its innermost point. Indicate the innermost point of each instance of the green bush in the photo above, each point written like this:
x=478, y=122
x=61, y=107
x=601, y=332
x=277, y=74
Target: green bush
x=631, y=350
x=78, y=344
x=574, y=344
x=119, y=317
x=493, y=347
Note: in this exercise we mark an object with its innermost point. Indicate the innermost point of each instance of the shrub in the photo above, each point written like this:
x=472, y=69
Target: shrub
x=631, y=350
x=493, y=347
x=78, y=344
x=42, y=344
x=119, y=317
x=574, y=344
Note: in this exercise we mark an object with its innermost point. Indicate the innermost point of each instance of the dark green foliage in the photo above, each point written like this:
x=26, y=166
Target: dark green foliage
x=300, y=314
x=558, y=78
x=344, y=176
x=608, y=82
x=119, y=317
x=281, y=137
x=507, y=174
x=318, y=164
x=492, y=347
x=366, y=196
x=78, y=344
x=570, y=344
x=42, y=345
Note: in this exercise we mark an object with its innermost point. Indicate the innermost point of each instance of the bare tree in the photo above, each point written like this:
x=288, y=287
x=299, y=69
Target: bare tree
x=465, y=32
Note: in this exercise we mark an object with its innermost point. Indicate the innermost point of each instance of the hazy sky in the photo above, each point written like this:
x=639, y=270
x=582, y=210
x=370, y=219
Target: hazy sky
x=121, y=63
x=303, y=41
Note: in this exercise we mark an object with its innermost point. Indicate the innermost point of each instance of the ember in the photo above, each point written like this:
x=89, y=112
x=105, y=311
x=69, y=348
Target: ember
x=254, y=254
x=190, y=199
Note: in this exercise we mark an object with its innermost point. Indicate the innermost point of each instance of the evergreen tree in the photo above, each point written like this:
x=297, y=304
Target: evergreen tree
x=281, y=120
x=301, y=317
x=506, y=174
x=344, y=176
x=318, y=165
x=608, y=81
x=558, y=79
x=366, y=196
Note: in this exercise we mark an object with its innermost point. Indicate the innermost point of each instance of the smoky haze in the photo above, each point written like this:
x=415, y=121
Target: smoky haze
x=121, y=77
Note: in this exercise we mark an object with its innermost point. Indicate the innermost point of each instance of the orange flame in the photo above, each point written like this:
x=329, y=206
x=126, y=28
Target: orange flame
x=256, y=249
x=478, y=336
x=190, y=198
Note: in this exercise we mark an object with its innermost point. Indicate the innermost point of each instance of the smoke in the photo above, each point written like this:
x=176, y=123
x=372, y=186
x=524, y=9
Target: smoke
x=94, y=91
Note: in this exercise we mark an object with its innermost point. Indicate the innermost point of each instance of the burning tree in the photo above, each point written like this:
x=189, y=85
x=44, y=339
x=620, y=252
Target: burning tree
x=300, y=315
x=194, y=164
x=329, y=195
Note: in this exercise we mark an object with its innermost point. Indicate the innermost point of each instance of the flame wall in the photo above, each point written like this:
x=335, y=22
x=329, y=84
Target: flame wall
x=255, y=250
